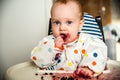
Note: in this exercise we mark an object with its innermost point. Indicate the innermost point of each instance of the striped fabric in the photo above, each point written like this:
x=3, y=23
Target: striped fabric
x=91, y=27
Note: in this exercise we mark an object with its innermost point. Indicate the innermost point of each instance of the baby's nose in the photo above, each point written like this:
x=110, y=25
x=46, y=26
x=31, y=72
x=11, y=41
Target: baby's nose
x=62, y=27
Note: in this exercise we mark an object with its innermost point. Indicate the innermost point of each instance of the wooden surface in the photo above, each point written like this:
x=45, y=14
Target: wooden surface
x=98, y=8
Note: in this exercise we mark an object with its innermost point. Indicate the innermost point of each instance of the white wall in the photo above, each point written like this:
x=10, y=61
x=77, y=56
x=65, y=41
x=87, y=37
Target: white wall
x=22, y=24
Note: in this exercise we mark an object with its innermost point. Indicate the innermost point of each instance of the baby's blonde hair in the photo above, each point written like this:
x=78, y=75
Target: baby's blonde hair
x=65, y=1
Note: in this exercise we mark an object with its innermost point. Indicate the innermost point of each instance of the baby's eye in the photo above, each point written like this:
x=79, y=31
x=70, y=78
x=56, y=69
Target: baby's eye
x=69, y=22
x=56, y=22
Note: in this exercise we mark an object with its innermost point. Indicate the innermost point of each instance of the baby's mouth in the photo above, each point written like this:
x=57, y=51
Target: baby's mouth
x=64, y=36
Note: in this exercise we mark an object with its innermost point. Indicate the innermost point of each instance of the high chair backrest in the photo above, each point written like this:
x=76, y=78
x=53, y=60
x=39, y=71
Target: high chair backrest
x=92, y=26
x=99, y=21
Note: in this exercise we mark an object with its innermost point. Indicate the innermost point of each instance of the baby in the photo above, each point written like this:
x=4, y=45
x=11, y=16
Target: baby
x=66, y=49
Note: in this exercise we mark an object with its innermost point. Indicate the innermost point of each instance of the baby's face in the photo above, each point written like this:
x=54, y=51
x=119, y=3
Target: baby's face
x=66, y=21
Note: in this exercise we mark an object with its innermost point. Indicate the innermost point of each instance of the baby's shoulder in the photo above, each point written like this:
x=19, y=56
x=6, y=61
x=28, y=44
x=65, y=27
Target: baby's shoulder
x=89, y=38
x=47, y=39
x=85, y=36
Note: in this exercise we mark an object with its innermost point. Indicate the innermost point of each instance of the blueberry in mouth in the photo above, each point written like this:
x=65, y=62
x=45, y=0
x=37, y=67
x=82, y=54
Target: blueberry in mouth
x=64, y=36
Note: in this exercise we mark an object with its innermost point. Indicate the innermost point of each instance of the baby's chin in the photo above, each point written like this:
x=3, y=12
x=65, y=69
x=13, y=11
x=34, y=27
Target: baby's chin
x=68, y=41
x=71, y=39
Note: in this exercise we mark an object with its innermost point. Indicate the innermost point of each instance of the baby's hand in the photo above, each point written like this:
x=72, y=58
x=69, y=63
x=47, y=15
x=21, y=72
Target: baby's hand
x=83, y=72
x=59, y=42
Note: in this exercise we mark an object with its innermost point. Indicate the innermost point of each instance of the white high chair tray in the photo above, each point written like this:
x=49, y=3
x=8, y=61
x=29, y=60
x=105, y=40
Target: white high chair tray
x=22, y=71
x=29, y=71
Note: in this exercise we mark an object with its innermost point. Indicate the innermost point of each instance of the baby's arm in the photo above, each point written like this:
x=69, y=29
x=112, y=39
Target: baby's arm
x=94, y=56
x=59, y=43
x=43, y=53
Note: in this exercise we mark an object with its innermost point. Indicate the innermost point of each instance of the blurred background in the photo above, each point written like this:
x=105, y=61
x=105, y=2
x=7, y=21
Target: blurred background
x=24, y=22
x=109, y=10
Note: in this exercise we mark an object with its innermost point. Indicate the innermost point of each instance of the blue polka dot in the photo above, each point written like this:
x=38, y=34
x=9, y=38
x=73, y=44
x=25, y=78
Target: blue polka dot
x=49, y=50
x=56, y=58
x=95, y=54
x=59, y=61
x=83, y=44
x=103, y=62
x=52, y=38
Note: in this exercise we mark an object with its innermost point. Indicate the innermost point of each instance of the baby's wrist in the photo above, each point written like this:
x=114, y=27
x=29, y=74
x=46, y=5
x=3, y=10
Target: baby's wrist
x=87, y=68
x=59, y=47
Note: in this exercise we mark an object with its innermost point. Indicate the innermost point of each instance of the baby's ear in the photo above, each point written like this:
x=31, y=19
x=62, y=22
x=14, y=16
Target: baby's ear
x=81, y=24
